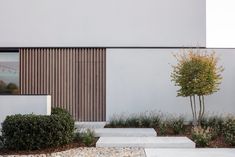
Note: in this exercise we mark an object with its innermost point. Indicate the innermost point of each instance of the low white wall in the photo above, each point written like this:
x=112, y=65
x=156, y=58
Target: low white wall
x=24, y=104
x=139, y=80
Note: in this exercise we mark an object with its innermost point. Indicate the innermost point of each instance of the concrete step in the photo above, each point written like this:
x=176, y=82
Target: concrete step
x=199, y=152
x=146, y=142
x=125, y=132
x=89, y=125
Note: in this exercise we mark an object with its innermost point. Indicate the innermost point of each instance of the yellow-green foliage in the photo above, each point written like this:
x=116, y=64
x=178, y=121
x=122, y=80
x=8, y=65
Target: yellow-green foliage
x=196, y=73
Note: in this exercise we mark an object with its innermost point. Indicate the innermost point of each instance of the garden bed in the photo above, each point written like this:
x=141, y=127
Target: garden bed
x=214, y=131
x=217, y=142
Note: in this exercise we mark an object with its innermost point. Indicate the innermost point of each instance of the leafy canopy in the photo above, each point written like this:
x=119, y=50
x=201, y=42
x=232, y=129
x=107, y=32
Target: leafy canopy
x=196, y=73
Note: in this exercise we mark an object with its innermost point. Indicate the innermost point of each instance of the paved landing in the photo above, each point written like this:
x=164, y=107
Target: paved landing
x=204, y=152
x=125, y=132
x=146, y=142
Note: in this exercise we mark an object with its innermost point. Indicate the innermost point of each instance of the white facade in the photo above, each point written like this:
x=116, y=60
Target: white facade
x=24, y=104
x=136, y=34
x=102, y=23
x=138, y=80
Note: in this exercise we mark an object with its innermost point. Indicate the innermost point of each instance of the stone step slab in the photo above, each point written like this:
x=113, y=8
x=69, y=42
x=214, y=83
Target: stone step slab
x=125, y=132
x=89, y=125
x=146, y=142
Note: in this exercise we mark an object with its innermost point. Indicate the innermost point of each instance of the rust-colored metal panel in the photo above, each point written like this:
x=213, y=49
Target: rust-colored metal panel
x=74, y=77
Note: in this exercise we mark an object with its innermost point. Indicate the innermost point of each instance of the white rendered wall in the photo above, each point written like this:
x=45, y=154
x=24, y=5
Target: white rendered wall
x=24, y=104
x=102, y=23
x=138, y=80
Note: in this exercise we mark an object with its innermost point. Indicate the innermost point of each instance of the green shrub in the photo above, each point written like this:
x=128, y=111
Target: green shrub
x=66, y=116
x=32, y=132
x=117, y=122
x=155, y=121
x=59, y=111
x=132, y=122
x=87, y=137
x=177, y=125
x=144, y=121
x=1, y=142
x=215, y=123
x=229, y=131
x=163, y=128
x=201, y=136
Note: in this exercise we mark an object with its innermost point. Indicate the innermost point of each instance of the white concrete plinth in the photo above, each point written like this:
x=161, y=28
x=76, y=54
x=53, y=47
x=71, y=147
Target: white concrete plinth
x=125, y=132
x=204, y=152
x=24, y=104
x=89, y=125
x=146, y=142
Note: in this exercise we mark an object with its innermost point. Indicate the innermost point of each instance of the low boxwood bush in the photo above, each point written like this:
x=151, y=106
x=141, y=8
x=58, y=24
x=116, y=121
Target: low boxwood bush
x=229, y=131
x=66, y=116
x=32, y=132
x=60, y=111
x=201, y=136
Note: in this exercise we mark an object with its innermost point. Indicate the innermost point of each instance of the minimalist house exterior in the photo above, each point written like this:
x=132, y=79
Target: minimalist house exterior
x=98, y=58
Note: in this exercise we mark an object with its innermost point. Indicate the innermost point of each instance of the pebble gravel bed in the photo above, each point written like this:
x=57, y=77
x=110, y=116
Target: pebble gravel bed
x=92, y=152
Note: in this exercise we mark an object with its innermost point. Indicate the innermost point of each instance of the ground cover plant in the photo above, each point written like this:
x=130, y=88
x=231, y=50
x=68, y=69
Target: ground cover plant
x=201, y=136
x=136, y=120
x=229, y=130
x=162, y=129
x=87, y=137
x=177, y=125
x=215, y=123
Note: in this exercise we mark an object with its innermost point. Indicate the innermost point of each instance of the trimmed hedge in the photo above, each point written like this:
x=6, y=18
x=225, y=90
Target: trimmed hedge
x=32, y=132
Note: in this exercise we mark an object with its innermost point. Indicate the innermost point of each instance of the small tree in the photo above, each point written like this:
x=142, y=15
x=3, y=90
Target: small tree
x=197, y=75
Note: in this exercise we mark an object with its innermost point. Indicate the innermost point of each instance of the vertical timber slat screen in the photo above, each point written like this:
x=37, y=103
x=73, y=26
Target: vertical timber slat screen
x=74, y=77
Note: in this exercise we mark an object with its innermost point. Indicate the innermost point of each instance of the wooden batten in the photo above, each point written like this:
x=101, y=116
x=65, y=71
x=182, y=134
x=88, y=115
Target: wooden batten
x=74, y=77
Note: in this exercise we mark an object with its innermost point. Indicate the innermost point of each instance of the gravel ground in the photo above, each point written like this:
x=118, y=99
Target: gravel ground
x=92, y=152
